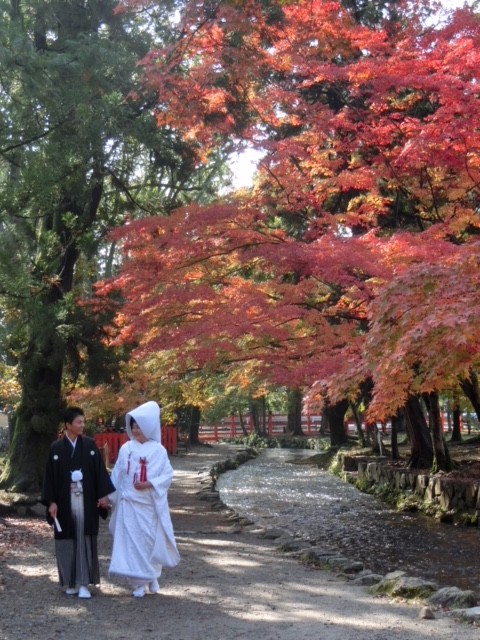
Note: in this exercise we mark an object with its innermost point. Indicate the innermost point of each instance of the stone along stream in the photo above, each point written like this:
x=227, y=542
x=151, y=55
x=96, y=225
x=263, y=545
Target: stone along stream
x=318, y=507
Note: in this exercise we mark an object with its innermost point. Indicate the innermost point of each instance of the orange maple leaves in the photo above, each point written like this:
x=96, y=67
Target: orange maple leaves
x=353, y=257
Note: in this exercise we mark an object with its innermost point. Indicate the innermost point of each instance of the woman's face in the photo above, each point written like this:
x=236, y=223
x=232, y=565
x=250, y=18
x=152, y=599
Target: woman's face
x=137, y=433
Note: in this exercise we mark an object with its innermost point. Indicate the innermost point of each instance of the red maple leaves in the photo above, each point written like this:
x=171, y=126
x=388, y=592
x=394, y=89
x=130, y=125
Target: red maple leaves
x=356, y=255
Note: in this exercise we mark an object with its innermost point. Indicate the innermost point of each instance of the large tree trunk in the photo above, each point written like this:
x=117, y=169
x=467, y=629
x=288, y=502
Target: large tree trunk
x=366, y=391
x=39, y=414
x=374, y=438
x=188, y=421
x=41, y=366
x=242, y=423
x=421, y=450
x=398, y=424
x=195, y=415
x=335, y=421
x=294, y=415
x=358, y=424
x=471, y=389
x=258, y=413
x=456, y=419
x=441, y=458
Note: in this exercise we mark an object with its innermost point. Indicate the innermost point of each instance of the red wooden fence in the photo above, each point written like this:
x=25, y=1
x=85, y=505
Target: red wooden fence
x=113, y=442
x=169, y=439
x=275, y=426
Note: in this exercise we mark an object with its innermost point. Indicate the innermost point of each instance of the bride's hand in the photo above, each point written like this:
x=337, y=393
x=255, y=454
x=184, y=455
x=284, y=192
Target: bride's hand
x=141, y=486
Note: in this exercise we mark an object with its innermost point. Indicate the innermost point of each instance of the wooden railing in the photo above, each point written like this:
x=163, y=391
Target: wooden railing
x=110, y=442
x=276, y=425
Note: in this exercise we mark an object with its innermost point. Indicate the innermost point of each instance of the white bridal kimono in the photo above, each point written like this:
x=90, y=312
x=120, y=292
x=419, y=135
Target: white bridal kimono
x=143, y=538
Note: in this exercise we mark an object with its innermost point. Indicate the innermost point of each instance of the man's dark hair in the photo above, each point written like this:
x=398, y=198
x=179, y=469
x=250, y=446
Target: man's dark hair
x=71, y=413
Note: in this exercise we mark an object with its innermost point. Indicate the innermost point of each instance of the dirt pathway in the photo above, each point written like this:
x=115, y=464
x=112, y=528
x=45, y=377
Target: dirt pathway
x=231, y=584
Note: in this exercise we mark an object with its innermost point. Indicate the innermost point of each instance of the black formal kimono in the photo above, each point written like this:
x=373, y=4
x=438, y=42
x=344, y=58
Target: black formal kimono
x=72, y=543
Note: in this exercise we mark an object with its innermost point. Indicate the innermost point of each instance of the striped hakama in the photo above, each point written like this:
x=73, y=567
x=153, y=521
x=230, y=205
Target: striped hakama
x=77, y=558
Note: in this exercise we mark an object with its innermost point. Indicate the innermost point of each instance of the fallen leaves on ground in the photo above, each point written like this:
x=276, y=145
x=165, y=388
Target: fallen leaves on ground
x=21, y=532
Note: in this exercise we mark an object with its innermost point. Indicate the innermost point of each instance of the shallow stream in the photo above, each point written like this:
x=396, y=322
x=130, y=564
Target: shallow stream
x=312, y=504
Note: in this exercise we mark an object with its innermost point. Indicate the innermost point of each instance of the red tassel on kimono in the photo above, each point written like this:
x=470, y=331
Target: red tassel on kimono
x=143, y=469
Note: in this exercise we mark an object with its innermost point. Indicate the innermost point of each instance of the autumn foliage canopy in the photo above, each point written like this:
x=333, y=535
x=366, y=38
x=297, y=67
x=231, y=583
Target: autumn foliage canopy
x=356, y=254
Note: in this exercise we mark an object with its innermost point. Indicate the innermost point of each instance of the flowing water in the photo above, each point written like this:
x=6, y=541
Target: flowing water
x=321, y=508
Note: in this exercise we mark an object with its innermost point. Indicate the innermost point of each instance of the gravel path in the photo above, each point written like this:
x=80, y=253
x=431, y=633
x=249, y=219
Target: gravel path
x=231, y=584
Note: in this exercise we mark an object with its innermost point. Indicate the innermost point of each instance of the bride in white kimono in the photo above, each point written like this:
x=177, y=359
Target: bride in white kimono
x=143, y=538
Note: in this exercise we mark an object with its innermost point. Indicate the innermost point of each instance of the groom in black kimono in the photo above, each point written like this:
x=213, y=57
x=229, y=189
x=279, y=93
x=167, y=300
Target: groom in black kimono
x=75, y=493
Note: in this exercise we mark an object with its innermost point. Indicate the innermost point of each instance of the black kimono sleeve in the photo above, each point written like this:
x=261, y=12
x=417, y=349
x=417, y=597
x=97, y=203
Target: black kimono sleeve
x=56, y=483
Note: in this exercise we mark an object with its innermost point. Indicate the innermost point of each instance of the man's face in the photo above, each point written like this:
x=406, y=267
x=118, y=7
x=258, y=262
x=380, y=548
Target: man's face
x=75, y=428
